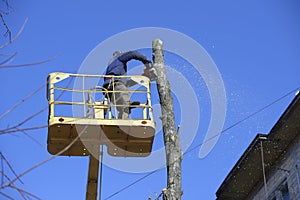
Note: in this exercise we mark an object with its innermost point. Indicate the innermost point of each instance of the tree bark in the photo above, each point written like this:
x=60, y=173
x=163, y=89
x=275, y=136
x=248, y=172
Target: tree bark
x=171, y=138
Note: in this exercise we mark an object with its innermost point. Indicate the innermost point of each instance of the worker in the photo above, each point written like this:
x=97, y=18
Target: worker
x=118, y=67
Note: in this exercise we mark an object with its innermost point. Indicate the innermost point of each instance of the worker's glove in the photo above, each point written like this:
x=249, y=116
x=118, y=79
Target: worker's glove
x=150, y=73
x=149, y=65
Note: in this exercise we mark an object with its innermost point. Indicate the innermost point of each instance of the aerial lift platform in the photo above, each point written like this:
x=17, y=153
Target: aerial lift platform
x=95, y=121
x=82, y=118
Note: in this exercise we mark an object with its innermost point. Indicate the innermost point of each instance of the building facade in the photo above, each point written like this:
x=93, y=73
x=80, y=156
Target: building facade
x=284, y=182
x=269, y=168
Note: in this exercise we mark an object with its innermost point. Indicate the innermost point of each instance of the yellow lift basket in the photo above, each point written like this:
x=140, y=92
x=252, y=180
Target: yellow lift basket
x=81, y=116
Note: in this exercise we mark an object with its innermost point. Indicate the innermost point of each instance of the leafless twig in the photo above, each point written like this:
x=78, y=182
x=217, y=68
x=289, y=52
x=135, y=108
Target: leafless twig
x=2, y=186
x=8, y=60
x=9, y=165
x=21, y=191
x=22, y=101
x=6, y=54
x=7, y=196
x=22, y=129
x=47, y=160
x=8, y=7
x=30, y=137
x=2, y=170
x=11, y=182
x=8, y=32
x=6, y=63
x=16, y=127
x=29, y=64
x=18, y=34
x=4, y=176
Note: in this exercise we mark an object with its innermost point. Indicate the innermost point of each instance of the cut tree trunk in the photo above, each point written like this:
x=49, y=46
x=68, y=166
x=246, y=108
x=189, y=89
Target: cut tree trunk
x=171, y=138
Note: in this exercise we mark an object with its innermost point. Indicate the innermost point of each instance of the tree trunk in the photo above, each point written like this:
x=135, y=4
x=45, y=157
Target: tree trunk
x=171, y=138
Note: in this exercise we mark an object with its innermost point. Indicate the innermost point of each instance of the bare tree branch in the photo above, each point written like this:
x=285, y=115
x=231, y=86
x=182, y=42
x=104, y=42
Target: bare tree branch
x=22, y=129
x=5, y=195
x=13, y=186
x=22, y=101
x=26, y=195
x=8, y=32
x=47, y=160
x=4, y=176
x=2, y=170
x=20, y=192
x=8, y=7
x=18, y=34
x=29, y=64
x=6, y=54
x=16, y=127
x=11, y=182
x=10, y=167
x=6, y=63
x=25, y=192
x=27, y=119
x=30, y=137
x=8, y=60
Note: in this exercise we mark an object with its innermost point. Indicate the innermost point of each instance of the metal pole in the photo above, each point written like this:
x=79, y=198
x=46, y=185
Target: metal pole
x=101, y=169
x=263, y=166
x=92, y=183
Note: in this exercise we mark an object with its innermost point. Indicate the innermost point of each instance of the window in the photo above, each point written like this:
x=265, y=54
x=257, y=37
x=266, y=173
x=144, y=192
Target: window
x=281, y=192
x=285, y=195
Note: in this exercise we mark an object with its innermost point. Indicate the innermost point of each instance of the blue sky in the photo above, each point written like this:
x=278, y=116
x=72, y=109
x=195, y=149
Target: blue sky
x=255, y=45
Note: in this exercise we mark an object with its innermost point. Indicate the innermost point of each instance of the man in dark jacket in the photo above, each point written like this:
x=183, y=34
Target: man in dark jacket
x=118, y=67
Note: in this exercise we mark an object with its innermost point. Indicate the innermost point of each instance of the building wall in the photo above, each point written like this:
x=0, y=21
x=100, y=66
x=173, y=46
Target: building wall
x=285, y=177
